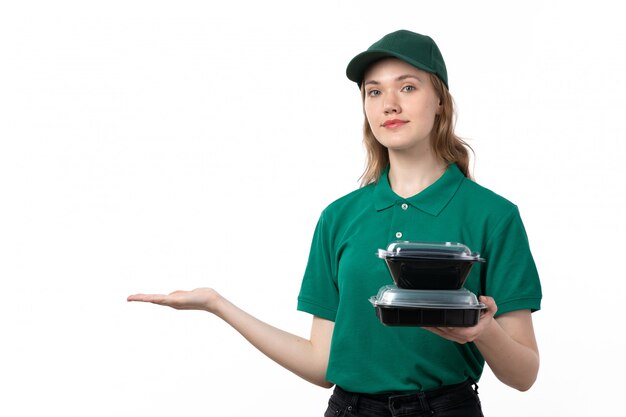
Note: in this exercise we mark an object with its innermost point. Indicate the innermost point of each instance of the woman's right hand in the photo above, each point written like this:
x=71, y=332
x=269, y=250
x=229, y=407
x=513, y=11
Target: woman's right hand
x=205, y=299
x=307, y=358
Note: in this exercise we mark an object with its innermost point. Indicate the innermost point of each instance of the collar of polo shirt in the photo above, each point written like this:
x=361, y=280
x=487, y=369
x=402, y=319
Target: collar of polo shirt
x=431, y=200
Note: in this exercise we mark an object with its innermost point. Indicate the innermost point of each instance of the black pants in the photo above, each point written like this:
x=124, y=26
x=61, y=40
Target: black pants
x=459, y=400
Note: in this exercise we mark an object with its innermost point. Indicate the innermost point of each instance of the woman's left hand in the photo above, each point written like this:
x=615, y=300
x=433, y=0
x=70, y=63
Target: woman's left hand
x=469, y=334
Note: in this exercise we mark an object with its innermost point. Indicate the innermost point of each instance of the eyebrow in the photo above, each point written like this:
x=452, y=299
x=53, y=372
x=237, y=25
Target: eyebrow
x=400, y=78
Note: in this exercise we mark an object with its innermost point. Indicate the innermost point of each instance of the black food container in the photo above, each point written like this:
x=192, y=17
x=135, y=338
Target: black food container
x=429, y=266
x=450, y=308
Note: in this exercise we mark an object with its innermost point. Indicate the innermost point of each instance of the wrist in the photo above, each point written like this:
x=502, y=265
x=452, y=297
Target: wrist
x=489, y=331
x=216, y=304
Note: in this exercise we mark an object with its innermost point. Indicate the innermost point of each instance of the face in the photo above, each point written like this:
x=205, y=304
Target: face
x=400, y=104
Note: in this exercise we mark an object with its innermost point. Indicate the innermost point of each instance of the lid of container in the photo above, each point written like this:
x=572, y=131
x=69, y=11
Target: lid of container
x=429, y=250
x=392, y=296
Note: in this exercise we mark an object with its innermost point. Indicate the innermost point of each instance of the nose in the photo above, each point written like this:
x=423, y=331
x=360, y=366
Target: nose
x=391, y=105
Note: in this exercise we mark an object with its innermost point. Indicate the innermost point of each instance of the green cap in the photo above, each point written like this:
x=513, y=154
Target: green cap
x=415, y=49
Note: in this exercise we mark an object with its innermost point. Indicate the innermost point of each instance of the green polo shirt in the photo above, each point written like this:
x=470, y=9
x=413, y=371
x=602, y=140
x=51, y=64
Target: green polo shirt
x=343, y=271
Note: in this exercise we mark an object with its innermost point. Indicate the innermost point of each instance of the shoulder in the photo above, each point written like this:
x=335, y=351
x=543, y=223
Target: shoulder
x=477, y=196
x=352, y=202
x=339, y=214
x=484, y=208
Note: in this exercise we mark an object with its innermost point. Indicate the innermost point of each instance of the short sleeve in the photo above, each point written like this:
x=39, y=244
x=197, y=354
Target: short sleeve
x=510, y=275
x=319, y=294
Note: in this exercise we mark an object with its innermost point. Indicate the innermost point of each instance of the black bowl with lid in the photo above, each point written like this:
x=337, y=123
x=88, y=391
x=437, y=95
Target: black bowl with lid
x=447, y=308
x=429, y=266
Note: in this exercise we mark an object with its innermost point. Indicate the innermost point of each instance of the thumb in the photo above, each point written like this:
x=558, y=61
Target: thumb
x=490, y=303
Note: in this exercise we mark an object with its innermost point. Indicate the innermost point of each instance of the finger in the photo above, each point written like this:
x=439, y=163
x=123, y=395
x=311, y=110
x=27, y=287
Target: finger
x=459, y=335
x=490, y=303
x=148, y=298
x=431, y=329
x=485, y=299
x=442, y=332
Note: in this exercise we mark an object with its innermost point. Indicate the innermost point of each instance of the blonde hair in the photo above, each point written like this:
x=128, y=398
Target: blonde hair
x=446, y=144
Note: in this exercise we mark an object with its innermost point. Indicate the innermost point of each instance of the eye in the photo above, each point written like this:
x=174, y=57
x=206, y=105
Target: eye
x=373, y=93
x=408, y=88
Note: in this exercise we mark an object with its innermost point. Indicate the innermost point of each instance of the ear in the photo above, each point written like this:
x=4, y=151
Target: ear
x=439, y=108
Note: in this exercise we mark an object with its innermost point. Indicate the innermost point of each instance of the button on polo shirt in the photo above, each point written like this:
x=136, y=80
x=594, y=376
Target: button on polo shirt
x=343, y=271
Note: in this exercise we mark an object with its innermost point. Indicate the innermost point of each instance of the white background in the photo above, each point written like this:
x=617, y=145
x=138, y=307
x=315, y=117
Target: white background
x=149, y=146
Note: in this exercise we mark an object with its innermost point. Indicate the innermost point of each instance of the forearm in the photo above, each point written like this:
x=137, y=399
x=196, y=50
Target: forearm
x=514, y=363
x=306, y=358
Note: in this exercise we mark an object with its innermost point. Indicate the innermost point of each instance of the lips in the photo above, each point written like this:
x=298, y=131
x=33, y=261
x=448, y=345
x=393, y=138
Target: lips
x=394, y=123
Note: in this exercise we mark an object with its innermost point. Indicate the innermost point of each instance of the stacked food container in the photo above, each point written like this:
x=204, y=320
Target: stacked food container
x=428, y=288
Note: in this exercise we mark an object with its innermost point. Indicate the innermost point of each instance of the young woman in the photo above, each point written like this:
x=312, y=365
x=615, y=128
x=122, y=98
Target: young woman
x=416, y=187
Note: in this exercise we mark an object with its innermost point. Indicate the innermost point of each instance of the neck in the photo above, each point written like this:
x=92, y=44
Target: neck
x=411, y=174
